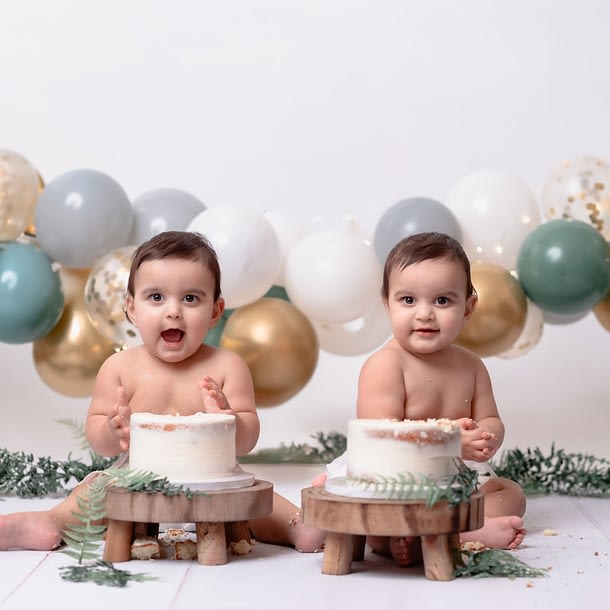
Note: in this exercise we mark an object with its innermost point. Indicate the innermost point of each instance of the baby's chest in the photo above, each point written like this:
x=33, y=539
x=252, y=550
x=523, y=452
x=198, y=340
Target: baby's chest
x=170, y=394
x=433, y=395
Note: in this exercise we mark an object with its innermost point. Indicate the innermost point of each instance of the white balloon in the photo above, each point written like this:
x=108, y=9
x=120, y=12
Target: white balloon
x=333, y=276
x=165, y=209
x=496, y=212
x=358, y=336
x=289, y=231
x=248, y=250
x=530, y=335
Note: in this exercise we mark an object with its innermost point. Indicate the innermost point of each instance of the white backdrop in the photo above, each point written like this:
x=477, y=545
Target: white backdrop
x=324, y=110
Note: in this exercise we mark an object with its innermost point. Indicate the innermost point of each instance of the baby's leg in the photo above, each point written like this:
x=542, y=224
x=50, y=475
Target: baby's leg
x=34, y=530
x=504, y=507
x=38, y=530
x=284, y=527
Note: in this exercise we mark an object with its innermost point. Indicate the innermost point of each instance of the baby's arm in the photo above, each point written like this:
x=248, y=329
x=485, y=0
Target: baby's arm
x=107, y=425
x=235, y=397
x=381, y=387
x=483, y=432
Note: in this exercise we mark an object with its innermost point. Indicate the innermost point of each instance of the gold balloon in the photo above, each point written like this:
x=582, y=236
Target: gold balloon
x=602, y=312
x=68, y=358
x=500, y=315
x=279, y=345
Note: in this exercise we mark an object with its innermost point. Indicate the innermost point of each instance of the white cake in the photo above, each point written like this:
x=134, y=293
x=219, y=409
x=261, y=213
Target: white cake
x=185, y=449
x=416, y=450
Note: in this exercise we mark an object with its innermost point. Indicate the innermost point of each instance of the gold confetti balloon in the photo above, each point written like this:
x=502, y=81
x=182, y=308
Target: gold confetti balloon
x=279, y=345
x=19, y=190
x=69, y=357
x=105, y=292
x=579, y=189
x=500, y=314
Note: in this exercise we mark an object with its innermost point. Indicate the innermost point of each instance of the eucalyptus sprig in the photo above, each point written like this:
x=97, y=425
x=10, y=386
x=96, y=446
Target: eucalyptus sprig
x=83, y=537
x=455, y=489
x=495, y=562
x=102, y=573
x=561, y=472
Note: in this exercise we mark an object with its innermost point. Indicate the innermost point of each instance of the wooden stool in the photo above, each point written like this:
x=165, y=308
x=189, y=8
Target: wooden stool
x=217, y=515
x=349, y=520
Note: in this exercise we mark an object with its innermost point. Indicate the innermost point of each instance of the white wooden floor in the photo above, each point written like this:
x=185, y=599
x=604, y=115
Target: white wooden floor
x=271, y=577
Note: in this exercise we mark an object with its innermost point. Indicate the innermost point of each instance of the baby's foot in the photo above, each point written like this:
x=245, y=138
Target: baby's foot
x=35, y=531
x=406, y=551
x=506, y=532
x=306, y=539
x=320, y=480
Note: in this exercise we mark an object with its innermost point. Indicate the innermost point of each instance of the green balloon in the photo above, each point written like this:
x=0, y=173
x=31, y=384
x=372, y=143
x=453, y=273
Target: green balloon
x=31, y=296
x=563, y=267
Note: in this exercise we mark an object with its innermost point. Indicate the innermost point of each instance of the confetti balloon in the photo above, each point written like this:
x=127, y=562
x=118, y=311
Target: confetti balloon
x=579, y=189
x=105, y=292
x=19, y=190
x=530, y=335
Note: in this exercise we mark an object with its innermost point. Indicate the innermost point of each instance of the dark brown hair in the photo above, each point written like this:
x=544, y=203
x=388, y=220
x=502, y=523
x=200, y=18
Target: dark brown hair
x=424, y=246
x=176, y=244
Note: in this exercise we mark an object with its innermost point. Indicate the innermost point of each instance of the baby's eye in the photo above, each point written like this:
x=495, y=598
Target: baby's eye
x=191, y=298
x=408, y=300
x=442, y=301
x=157, y=297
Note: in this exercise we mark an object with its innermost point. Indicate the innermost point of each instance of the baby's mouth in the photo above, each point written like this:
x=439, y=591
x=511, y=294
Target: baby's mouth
x=172, y=335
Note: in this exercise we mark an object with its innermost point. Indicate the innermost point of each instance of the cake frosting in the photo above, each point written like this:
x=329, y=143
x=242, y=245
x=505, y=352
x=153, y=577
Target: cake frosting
x=415, y=450
x=184, y=448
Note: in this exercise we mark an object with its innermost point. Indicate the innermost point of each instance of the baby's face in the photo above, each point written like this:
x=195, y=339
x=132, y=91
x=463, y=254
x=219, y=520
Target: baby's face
x=427, y=304
x=173, y=306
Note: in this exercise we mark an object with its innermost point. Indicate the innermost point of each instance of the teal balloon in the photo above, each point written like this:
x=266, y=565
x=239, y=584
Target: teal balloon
x=277, y=292
x=31, y=296
x=563, y=267
x=214, y=335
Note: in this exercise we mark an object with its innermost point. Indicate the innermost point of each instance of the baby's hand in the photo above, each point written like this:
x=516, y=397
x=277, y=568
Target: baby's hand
x=118, y=419
x=478, y=444
x=213, y=398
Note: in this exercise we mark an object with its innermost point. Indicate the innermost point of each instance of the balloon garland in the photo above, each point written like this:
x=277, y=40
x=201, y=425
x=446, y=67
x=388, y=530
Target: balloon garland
x=65, y=249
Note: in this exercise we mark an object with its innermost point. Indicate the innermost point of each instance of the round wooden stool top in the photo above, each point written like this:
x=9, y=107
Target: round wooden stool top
x=224, y=505
x=379, y=517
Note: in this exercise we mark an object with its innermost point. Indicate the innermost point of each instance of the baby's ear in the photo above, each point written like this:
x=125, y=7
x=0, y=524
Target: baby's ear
x=471, y=303
x=130, y=310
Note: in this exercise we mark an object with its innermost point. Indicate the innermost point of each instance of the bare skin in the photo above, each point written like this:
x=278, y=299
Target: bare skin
x=420, y=373
x=173, y=372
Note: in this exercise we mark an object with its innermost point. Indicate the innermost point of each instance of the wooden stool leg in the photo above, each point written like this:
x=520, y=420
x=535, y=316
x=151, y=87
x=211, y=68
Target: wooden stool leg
x=119, y=536
x=211, y=544
x=437, y=556
x=359, y=546
x=236, y=531
x=338, y=553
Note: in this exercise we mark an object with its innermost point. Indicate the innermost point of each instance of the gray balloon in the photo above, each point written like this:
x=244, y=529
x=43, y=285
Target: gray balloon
x=409, y=216
x=164, y=209
x=81, y=216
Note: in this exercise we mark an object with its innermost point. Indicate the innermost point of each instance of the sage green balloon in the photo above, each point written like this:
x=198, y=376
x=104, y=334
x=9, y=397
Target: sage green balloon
x=563, y=266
